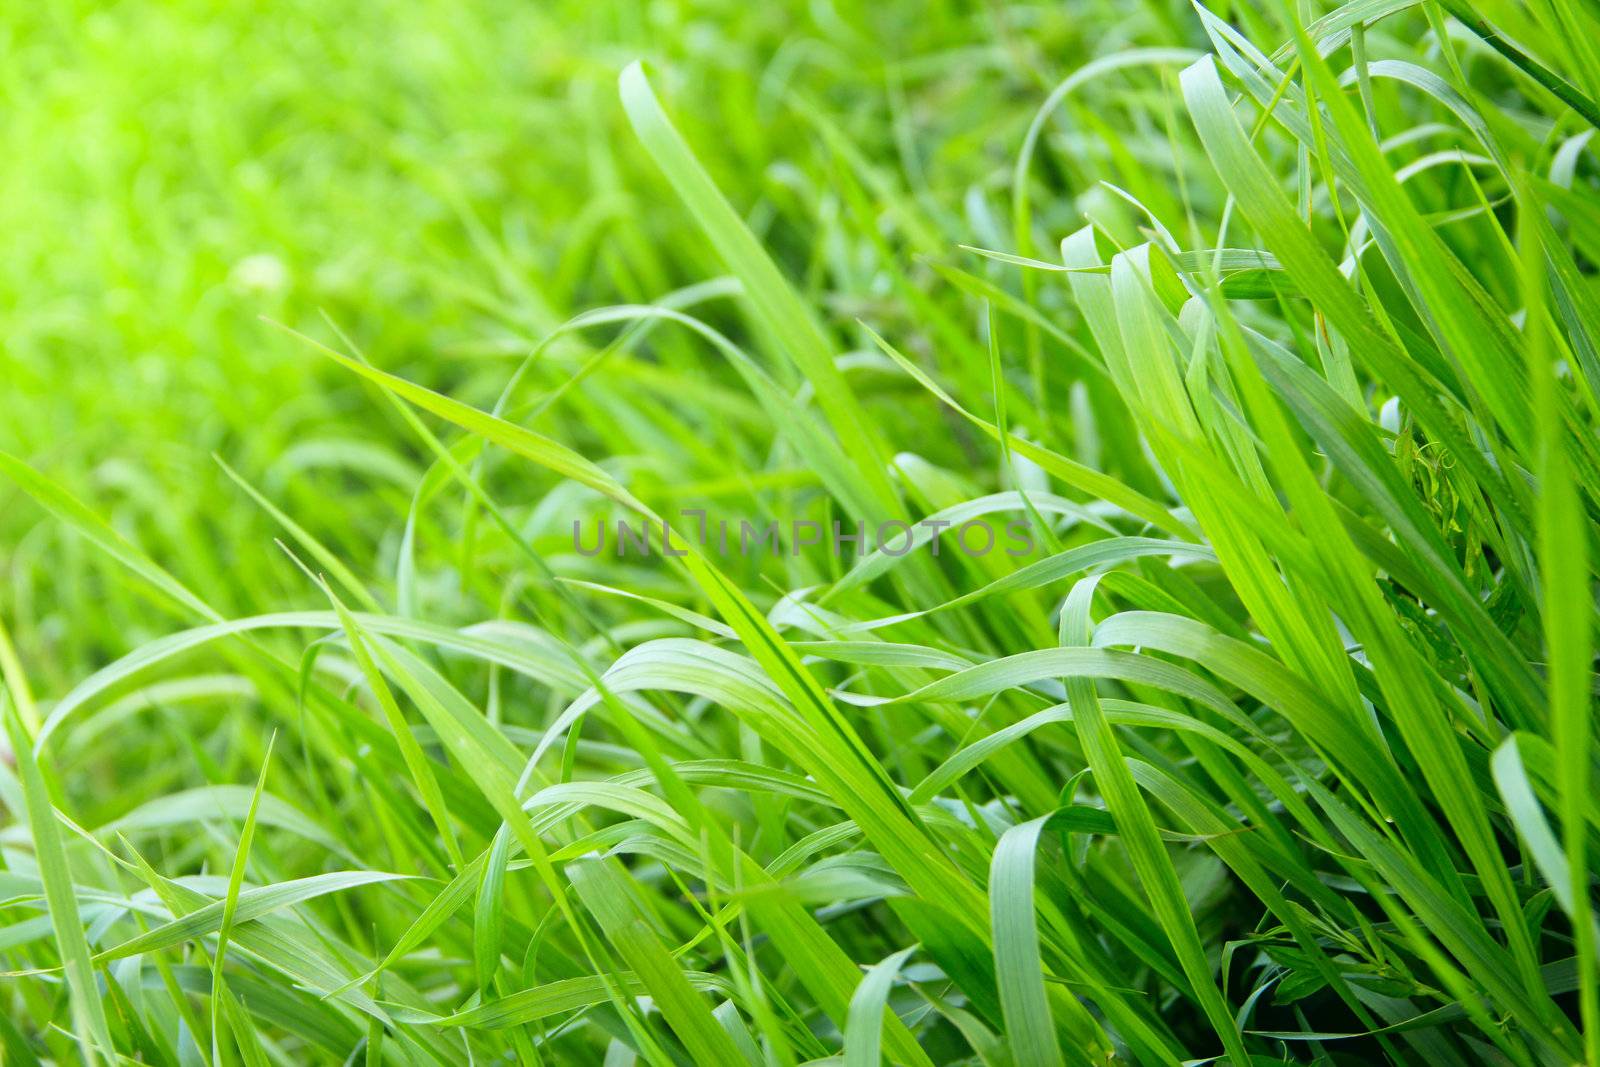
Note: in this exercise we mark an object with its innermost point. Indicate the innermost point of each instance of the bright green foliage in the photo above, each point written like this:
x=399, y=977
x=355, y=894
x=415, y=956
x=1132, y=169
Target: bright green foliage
x=1277, y=323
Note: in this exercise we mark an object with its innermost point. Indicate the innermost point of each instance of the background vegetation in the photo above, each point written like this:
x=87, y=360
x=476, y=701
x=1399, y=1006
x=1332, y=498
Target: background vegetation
x=322, y=327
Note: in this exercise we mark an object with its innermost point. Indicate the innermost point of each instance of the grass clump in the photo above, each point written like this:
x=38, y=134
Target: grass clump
x=1276, y=328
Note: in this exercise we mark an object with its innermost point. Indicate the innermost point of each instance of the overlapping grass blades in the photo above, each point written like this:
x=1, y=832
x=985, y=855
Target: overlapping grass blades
x=1279, y=326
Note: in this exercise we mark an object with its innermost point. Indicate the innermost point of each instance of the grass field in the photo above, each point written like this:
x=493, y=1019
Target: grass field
x=332, y=340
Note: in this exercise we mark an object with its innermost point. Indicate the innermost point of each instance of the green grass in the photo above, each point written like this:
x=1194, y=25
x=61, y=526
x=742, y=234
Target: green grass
x=1279, y=323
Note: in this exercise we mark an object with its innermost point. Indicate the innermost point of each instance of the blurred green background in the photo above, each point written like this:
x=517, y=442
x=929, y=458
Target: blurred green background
x=446, y=183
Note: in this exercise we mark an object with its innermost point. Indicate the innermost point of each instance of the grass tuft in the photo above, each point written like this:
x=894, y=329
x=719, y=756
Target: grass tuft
x=1119, y=490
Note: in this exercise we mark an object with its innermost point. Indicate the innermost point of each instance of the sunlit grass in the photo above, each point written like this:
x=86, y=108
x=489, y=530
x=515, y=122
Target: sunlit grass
x=1278, y=327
